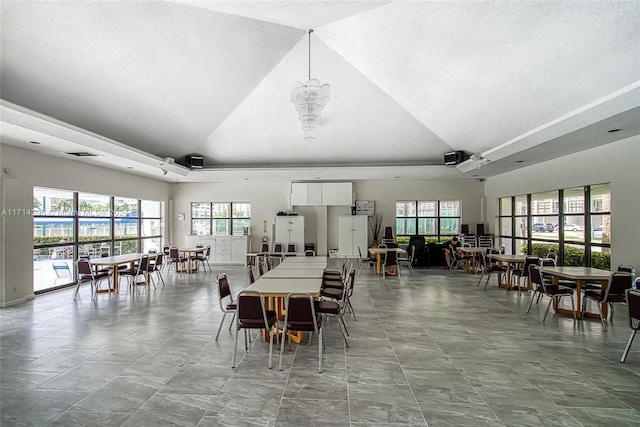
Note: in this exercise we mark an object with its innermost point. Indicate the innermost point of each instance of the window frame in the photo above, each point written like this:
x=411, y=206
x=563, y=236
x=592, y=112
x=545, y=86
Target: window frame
x=229, y=218
x=437, y=219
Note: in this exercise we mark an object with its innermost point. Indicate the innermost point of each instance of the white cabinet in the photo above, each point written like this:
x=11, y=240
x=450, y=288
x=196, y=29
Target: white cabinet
x=303, y=194
x=224, y=249
x=290, y=229
x=221, y=252
x=337, y=193
x=322, y=194
x=239, y=249
x=353, y=232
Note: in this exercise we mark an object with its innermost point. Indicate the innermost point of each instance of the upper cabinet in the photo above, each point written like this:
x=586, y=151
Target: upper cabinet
x=303, y=194
x=322, y=194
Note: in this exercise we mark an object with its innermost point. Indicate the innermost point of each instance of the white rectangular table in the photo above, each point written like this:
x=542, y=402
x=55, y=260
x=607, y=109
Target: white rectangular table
x=292, y=273
x=305, y=260
x=280, y=288
x=301, y=266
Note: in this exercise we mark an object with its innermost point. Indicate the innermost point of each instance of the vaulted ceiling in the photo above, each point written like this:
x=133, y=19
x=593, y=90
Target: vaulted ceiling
x=138, y=82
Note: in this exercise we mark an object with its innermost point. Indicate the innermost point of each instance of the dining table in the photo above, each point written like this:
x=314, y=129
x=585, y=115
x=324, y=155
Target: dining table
x=378, y=252
x=580, y=275
x=113, y=262
x=190, y=253
x=510, y=261
x=472, y=252
x=274, y=290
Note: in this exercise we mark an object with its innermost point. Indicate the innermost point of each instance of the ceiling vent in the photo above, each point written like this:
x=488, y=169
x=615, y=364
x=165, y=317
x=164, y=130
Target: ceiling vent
x=82, y=154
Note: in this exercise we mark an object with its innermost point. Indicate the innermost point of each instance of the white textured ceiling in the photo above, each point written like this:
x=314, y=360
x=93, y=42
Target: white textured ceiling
x=141, y=81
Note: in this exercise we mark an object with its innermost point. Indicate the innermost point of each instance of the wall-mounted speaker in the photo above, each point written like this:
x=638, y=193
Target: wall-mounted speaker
x=195, y=161
x=454, y=157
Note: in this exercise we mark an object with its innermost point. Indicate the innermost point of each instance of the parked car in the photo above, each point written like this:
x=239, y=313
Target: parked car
x=573, y=227
x=543, y=226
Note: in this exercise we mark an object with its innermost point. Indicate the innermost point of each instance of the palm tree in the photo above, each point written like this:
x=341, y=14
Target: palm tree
x=65, y=206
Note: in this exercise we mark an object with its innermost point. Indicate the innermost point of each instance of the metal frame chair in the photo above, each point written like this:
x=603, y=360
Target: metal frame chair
x=524, y=271
x=203, y=258
x=141, y=269
x=224, y=291
x=363, y=260
x=301, y=316
x=390, y=259
x=633, y=303
x=86, y=274
x=619, y=282
x=491, y=267
x=408, y=261
x=251, y=314
x=553, y=292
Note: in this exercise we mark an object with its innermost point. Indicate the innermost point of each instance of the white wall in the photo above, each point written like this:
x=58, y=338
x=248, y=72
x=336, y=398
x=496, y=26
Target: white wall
x=29, y=169
x=321, y=222
x=616, y=163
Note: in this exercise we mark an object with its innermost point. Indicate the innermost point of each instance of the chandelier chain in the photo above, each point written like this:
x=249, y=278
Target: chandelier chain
x=310, y=31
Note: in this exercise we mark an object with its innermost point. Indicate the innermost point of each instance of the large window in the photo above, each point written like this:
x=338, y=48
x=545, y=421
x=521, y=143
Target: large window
x=434, y=219
x=574, y=222
x=220, y=218
x=68, y=224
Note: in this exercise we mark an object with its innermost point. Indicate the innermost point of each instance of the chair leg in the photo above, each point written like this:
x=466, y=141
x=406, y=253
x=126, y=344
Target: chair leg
x=232, y=320
x=320, y=334
x=344, y=325
x=487, y=281
x=271, y=338
x=611, y=313
x=160, y=276
x=548, y=307
x=220, y=325
x=353, y=313
x=480, y=279
x=344, y=333
x=284, y=334
x=235, y=349
x=602, y=319
x=573, y=308
x=628, y=346
x=533, y=294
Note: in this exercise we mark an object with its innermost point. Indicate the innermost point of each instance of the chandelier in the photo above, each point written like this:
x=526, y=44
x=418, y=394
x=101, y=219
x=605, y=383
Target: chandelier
x=309, y=99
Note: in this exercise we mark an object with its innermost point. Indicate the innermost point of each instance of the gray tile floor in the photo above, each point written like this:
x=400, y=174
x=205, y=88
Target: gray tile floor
x=433, y=349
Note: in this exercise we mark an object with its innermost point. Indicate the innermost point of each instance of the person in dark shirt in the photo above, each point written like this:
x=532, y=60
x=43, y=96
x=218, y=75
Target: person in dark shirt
x=454, y=244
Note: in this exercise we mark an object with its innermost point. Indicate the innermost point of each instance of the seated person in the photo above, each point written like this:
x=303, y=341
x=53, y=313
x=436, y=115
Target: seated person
x=454, y=244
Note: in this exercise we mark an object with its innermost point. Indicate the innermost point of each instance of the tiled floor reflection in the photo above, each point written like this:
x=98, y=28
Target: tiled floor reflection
x=432, y=349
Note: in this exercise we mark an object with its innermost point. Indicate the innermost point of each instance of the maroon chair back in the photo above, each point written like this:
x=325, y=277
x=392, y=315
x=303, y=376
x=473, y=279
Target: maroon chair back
x=84, y=269
x=619, y=282
x=223, y=286
x=633, y=302
x=251, y=312
x=391, y=258
x=301, y=314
